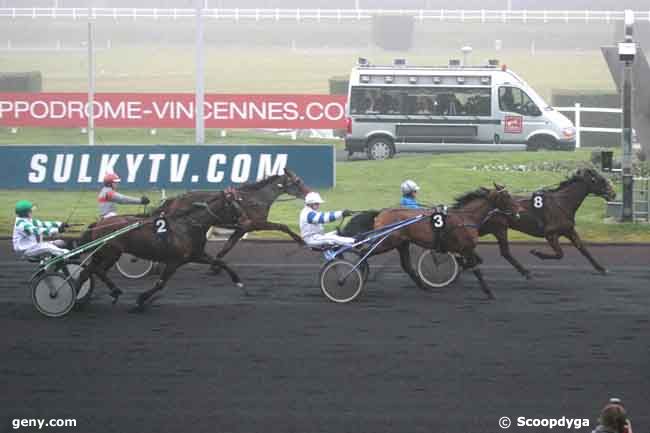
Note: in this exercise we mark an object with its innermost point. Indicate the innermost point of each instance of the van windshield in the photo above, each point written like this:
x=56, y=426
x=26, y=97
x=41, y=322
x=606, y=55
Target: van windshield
x=431, y=101
x=515, y=100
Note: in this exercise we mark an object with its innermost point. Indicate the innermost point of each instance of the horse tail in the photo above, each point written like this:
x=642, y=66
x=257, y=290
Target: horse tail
x=360, y=223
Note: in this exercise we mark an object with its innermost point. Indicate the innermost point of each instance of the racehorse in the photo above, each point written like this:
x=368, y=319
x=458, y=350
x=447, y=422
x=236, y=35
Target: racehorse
x=185, y=221
x=255, y=202
x=460, y=234
x=550, y=213
x=173, y=241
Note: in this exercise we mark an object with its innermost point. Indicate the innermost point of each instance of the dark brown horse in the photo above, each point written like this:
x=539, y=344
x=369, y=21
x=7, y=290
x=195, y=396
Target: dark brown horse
x=171, y=240
x=552, y=216
x=464, y=220
x=255, y=202
x=187, y=219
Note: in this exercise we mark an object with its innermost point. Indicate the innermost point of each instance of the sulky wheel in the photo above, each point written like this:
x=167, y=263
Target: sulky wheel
x=133, y=267
x=365, y=267
x=340, y=281
x=84, y=289
x=437, y=269
x=53, y=294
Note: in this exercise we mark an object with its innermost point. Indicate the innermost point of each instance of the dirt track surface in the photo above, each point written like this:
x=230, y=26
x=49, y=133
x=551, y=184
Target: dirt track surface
x=206, y=358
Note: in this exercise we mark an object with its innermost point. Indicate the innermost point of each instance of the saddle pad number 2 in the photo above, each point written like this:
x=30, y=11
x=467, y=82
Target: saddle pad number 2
x=438, y=220
x=160, y=226
x=538, y=200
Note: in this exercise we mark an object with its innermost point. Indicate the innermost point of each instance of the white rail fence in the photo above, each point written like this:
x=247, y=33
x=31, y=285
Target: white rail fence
x=337, y=15
x=577, y=108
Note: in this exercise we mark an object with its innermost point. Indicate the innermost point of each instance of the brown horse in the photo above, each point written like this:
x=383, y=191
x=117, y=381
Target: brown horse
x=171, y=240
x=554, y=216
x=187, y=218
x=255, y=203
x=464, y=220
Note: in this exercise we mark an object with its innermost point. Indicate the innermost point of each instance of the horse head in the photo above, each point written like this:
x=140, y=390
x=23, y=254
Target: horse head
x=290, y=183
x=501, y=199
x=597, y=184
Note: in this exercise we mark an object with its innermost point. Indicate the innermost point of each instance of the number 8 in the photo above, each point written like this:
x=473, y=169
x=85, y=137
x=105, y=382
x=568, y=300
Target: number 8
x=538, y=202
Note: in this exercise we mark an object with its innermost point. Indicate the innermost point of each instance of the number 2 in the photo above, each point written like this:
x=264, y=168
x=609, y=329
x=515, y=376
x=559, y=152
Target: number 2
x=161, y=226
x=538, y=202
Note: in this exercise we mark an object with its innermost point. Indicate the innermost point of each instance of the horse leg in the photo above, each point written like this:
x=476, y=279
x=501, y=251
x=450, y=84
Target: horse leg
x=405, y=260
x=577, y=242
x=169, y=269
x=553, y=241
x=473, y=262
x=205, y=259
x=99, y=265
x=230, y=244
x=504, y=248
x=268, y=225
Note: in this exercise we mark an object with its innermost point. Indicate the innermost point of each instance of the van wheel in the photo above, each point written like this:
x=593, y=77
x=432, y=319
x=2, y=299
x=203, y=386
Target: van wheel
x=541, y=142
x=380, y=148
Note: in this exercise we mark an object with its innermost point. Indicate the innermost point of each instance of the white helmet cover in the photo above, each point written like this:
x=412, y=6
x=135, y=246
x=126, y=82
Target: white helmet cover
x=408, y=187
x=313, y=198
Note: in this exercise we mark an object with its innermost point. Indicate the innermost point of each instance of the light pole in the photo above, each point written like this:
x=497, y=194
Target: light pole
x=200, y=84
x=626, y=53
x=91, y=80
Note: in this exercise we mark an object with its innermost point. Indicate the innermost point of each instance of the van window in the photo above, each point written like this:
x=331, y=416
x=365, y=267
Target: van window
x=515, y=100
x=424, y=101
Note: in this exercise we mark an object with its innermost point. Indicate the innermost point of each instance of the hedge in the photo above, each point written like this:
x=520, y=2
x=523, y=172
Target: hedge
x=21, y=82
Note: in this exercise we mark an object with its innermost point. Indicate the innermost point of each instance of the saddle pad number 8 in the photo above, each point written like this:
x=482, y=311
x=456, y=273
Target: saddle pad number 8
x=538, y=200
x=438, y=220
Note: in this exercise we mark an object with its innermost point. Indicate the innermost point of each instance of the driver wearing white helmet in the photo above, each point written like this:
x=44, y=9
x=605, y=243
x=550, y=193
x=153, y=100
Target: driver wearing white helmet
x=312, y=221
x=409, y=190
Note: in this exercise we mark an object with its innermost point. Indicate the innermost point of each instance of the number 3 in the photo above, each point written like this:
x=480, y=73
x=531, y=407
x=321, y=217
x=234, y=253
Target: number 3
x=438, y=221
x=538, y=202
x=161, y=226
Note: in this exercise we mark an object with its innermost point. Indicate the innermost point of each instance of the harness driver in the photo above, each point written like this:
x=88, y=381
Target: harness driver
x=312, y=222
x=108, y=196
x=29, y=232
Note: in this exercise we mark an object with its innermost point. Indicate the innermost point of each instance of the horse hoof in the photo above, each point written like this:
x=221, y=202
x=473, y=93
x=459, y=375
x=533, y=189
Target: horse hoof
x=137, y=309
x=603, y=272
x=528, y=276
x=240, y=285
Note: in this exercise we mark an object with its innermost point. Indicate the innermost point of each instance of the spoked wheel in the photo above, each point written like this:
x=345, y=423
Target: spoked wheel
x=340, y=281
x=85, y=288
x=437, y=269
x=365, y=267
x=53, y=294
x=133, y=267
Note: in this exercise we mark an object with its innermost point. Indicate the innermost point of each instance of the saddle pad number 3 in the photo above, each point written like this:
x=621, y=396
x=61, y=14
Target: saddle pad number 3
x=438, y=220
x=538, y=200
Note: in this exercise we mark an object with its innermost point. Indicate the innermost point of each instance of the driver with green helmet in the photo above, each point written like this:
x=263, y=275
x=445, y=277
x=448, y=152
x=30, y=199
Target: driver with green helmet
x=29, y=232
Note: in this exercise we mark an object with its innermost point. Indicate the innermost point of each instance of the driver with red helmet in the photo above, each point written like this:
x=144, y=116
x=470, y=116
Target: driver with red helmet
x=108, y=196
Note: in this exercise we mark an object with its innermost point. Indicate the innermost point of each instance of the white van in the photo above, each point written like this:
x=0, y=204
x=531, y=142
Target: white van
x=403, y=108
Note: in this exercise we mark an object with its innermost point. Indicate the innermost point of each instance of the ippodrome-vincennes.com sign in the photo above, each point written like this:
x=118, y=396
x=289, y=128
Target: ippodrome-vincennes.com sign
x=161, y=166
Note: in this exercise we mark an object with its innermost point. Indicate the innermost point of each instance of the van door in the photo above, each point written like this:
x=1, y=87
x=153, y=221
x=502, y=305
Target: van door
x=521, y=116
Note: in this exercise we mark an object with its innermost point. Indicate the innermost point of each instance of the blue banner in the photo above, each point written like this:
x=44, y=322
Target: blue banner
x=161, y=166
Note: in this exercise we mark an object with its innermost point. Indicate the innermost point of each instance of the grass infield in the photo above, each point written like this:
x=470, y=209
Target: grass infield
x=373, y=185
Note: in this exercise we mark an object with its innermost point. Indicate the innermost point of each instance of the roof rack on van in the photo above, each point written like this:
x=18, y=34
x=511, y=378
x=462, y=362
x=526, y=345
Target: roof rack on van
x=363, y=63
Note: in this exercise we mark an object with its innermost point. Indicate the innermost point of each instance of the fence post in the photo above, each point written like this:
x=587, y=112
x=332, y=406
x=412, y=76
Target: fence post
x=578, y=127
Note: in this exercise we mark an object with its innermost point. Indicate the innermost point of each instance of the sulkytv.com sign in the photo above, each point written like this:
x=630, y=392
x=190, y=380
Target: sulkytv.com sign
x=144, y=167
